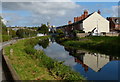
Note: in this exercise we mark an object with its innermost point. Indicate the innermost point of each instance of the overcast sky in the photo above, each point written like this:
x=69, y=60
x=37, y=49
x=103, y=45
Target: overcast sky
x=57, y=13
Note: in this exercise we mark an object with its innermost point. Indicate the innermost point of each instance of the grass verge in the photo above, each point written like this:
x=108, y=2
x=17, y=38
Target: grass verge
x=31, y=64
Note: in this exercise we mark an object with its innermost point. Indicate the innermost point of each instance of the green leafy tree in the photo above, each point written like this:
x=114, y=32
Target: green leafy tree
x=23, y=33
x=1, y=23
x=12, y=33
x=4, y=31
x=43, y=29
x=44, y=43
x=59, y=31
x=20, y=33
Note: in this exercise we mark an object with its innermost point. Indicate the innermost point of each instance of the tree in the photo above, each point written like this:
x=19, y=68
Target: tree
x=20, y=33
x=43, y=29
x=12, y=33
x=1, y=23
x=4, y=31
x=59, y=31
x=23, y=33
x=44, y=43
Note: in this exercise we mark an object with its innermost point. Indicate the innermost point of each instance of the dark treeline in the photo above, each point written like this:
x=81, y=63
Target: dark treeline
x=9, y=33
x=23, y=33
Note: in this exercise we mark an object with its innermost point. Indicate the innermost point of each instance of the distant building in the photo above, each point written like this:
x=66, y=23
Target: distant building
x=51, y=28
x=15, y=29
x=114, y=23
x=40, y=34
x=87, y=22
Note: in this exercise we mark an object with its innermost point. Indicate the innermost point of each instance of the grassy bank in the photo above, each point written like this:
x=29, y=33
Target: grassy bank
x=106, y=45
x=0, y=38
x=31, y=64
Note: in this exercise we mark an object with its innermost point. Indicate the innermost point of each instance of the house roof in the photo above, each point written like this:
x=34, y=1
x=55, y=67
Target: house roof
x=75, y=22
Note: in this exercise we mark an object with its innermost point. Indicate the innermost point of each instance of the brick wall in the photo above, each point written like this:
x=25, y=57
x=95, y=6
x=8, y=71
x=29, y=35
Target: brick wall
x=82, y=34
x=112, y=34
x=81, y=17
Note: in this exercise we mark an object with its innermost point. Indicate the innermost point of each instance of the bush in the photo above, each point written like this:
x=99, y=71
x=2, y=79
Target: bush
x=59, y=31
x=23, y=33
x=43, y=29
x=6, y=37
x=30, y=50
x=44, y=43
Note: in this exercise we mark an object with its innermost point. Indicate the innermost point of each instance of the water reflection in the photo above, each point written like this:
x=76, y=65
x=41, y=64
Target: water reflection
x=71, y=56
x=44, y=43
x=95, y=61
x=94, y=66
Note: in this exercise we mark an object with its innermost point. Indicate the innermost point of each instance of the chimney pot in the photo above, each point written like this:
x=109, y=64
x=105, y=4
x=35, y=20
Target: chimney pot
x=99, y=12
x=69, y=22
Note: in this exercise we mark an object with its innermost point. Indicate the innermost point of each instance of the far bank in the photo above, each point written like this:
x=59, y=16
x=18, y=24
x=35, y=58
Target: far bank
x=102, y=44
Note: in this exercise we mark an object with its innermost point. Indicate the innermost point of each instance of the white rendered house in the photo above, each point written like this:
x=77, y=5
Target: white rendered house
x=95, y=20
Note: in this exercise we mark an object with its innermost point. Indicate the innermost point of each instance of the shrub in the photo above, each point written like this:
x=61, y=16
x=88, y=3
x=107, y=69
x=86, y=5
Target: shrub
x=23, y=33
x=6, y=37
x=30, y=50
x=44, y=43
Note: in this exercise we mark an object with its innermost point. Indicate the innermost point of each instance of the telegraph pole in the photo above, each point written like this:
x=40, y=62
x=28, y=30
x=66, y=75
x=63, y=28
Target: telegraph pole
x=8, y=31
x=97, y=27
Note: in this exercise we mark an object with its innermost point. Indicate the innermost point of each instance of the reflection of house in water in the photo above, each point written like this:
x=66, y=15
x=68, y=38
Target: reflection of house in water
x=51, y=40
x=95, y=61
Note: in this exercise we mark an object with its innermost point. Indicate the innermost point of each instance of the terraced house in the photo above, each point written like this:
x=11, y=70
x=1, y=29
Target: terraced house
x=114, y=23
x=93, y=22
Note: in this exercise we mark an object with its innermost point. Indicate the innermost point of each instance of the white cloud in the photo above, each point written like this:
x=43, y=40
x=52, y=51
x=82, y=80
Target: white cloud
x=60, y=0
x=112, y=12
x=4, y=21
x=36, y=0
x=62, y=55
x=115, y=10
x=57, y=13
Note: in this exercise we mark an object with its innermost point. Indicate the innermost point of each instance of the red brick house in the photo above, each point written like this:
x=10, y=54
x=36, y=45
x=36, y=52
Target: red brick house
x=114, y=23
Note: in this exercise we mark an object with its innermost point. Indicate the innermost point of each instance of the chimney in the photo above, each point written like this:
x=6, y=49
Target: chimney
x=69, y=22
x=74, y=19
x=85, y=13
x=83, y=16
x=77, y=19
x=99, y=12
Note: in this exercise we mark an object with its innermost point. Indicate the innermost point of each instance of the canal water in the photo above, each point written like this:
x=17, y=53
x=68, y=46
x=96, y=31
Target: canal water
x=93, y=66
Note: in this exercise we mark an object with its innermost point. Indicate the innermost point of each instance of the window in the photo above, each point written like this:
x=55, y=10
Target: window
x=116, y=20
